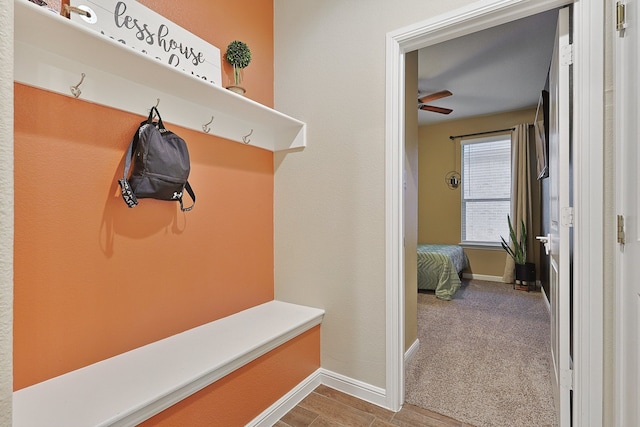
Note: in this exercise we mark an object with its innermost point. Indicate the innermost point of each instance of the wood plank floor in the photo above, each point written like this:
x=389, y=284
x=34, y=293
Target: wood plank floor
x=326, y=407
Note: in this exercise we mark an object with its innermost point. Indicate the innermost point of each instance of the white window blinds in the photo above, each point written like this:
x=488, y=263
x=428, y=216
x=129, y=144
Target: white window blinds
x=486, y=189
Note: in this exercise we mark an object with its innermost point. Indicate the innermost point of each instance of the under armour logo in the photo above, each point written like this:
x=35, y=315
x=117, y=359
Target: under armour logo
x=177, y=195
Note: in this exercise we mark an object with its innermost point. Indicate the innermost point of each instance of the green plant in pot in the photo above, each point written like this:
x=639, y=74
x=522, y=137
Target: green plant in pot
x=525, y=271
x=239, y=56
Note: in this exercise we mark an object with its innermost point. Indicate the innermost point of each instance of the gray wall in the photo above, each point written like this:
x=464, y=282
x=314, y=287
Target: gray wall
x=6, y=212
x=329, y=198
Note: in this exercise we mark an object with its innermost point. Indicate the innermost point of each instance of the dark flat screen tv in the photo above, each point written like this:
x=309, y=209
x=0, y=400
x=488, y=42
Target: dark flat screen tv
x=541, y=129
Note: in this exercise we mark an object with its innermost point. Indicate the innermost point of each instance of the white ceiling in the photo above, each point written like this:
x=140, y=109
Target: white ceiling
x=499, y=69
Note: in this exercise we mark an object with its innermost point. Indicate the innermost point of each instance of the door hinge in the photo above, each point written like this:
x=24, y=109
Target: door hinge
x=566, y=216
x=621, y=229
x=566, y=55
x=621, y=23
x=566, y=378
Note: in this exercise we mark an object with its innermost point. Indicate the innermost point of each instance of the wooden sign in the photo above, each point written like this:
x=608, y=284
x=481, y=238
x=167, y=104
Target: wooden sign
x=137, y=26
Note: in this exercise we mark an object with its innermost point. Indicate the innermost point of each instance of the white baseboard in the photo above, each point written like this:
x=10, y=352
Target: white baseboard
x=359, y=389
x=272, y=414
x=483, y=277
x=546, y=297
x=411, y=351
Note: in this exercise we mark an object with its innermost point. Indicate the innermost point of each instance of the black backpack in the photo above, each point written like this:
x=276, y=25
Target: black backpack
x=160, y=165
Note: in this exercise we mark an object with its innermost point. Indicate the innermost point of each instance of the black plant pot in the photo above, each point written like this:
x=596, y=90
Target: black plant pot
x=526, y=274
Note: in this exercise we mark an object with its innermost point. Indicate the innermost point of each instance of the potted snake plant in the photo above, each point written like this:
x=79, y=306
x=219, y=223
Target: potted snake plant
x=525, y=271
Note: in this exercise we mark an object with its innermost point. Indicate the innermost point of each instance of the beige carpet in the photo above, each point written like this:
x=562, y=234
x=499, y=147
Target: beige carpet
x=484, y=357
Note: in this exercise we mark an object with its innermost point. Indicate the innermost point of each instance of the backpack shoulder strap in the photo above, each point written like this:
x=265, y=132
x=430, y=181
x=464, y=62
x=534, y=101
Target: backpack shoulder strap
x=125, y=188
x=191, y=194
x=157, y=113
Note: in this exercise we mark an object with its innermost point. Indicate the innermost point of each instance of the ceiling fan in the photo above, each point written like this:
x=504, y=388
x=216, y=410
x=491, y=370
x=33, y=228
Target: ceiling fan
x=422, y=102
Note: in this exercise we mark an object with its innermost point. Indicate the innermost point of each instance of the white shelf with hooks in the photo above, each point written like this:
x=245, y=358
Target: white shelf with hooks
x=52, y=53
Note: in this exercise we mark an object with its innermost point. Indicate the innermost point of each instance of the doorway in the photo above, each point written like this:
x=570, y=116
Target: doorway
x=587, y=266
x=495, y=79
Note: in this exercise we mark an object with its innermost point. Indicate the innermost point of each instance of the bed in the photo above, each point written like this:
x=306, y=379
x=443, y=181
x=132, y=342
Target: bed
x=439, y=268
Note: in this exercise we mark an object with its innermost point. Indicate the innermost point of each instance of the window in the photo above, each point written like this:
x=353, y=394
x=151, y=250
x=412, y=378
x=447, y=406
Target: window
x=486, y=189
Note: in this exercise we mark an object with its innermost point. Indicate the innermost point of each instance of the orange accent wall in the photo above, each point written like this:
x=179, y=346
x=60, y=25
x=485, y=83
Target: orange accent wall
x=242, y=395
x=94, y=278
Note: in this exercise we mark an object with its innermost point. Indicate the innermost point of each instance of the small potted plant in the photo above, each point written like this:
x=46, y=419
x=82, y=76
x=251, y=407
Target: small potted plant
x=525, y=271
x=239, y=56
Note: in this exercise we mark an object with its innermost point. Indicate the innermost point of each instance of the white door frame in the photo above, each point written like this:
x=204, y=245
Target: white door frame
x=559, y=198
x=626, y=370
x=588, y=176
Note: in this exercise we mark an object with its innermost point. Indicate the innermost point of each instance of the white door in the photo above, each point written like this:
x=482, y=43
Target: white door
x=627, y=187
x=560, y=218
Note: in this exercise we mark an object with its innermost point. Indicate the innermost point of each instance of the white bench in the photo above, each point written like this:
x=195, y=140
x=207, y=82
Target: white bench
x=133, y=386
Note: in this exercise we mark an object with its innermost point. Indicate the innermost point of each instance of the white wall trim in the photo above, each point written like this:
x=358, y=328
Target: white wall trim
x=411, y=351
x=359, y=389
x=588, y=320
x=626, y=386
x=546, y=299
x=356, y=388
x=482, y=277
x=589, y=83
x=394, y=218
x=273, y=413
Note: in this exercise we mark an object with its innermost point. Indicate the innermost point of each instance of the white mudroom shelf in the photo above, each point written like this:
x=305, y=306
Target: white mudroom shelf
x=52, y=53
x=128, y=388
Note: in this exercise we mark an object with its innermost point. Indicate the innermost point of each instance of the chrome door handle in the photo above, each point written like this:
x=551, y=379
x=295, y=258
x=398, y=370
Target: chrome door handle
x=547, y=242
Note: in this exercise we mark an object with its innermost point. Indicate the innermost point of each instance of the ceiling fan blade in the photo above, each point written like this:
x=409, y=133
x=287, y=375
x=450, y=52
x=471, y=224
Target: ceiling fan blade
x=434, y=96
x=436, y=109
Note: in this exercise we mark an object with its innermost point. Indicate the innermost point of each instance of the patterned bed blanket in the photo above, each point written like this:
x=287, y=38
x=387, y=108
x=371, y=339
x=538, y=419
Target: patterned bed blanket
x=439, y=267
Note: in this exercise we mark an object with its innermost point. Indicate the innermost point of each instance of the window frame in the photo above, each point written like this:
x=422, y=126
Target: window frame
x=476, y=244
